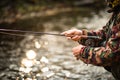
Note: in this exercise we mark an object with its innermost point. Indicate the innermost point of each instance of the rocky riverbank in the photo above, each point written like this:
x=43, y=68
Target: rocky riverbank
x=48, y=57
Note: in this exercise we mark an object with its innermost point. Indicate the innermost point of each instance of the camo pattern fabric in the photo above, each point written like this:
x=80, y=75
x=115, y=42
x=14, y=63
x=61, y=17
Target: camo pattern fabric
x=103, y=55
x=108, y=55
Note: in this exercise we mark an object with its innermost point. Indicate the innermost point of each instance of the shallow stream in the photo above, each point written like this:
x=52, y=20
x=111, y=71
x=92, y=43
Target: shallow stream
x=49, y=57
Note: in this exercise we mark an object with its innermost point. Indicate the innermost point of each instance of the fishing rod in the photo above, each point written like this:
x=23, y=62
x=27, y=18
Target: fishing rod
x=31, y=32
x=7, y=31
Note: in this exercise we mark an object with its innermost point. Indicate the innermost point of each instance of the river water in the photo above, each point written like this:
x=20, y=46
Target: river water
x=49, y=57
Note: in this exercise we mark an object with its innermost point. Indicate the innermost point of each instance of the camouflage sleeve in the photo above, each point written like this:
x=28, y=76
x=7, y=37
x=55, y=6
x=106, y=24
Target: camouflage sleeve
x=101, y=33
x=103, y=56
x=99, y=56
x=95, y=56
x=94, y=42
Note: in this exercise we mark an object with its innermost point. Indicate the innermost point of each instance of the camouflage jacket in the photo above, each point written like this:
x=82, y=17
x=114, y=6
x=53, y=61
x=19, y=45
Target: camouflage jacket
x=103, y=55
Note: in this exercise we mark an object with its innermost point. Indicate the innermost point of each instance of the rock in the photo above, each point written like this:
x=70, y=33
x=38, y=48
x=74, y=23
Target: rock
x=44, y=60
x=48, y=74
x=45, y=69
x=55, y=68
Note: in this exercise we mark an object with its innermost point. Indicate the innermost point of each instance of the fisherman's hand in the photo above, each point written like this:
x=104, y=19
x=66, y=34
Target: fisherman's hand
x=77, y=50
x=73, y=34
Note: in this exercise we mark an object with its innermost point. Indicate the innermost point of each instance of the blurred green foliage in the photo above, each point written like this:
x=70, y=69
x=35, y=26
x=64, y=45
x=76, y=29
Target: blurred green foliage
x=10, y=8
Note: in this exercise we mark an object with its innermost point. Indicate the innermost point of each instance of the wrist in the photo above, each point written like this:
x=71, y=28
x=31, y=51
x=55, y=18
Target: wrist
x=84, y=53
x=84, y=32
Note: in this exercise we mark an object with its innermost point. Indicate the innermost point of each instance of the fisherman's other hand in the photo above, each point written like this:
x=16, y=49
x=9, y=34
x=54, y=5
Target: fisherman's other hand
x=73, y=34
x=77, y=51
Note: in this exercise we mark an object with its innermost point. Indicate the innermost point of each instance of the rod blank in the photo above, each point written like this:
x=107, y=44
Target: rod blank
x=41, y=33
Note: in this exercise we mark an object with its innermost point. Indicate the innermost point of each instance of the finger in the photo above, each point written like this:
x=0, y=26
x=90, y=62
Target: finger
x=76, y=49
x=76, y=53
x=68, y=31
x=75, y=38
x=63, y=33
x=69, y=38
x=67, y=34
x=77, y=57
